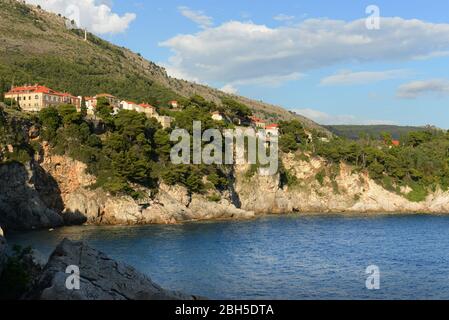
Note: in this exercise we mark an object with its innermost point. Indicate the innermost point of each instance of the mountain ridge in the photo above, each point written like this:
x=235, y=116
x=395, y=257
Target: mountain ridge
x=37, y=46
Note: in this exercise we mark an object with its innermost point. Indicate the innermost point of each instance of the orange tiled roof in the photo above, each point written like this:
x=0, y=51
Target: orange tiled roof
x=146, y=105
x=38, y=89
x=104, y=95
x=256, y=119
x=272, y=126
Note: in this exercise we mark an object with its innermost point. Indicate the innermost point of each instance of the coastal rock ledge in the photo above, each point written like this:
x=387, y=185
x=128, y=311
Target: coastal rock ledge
x=100, y=278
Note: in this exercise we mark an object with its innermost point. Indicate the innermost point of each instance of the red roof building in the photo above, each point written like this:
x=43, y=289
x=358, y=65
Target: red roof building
x=35, y=98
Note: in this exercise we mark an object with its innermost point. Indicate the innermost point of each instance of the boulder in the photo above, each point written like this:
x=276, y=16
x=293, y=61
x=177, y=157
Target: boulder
x=100, y=278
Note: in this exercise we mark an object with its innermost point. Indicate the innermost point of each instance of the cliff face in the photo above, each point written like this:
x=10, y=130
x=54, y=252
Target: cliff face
x=23, y=201
x=171, y=204
x=55, y=190
x=343, y=191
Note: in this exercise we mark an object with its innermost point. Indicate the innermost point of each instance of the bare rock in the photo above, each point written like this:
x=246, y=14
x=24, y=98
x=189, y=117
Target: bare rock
x=101, y=278
x=204, y=209
x=22, y=204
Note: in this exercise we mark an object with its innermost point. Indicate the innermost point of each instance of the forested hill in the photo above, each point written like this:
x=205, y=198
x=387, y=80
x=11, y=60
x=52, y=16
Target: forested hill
x=37, y=47
x=355, y=132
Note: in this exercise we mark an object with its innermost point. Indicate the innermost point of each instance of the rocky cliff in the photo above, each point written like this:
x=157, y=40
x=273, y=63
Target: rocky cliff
x=342, y=190
x=55, y=190
x=23, y=190
x=100, y=278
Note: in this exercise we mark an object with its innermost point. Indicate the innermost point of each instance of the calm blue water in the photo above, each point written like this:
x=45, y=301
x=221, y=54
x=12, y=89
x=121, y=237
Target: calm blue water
x=288, y=257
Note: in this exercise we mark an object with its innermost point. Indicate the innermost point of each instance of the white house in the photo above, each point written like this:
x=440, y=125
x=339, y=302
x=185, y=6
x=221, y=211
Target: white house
x=174, y=104
x=129, y=105
x=272, y=130
x=148, y=109
x=164, y=121
x=217, y=116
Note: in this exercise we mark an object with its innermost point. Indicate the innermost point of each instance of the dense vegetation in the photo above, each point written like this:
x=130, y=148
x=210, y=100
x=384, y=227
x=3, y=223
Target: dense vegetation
x=355, y=132
x=129, y=150
x=421, y=162
x=15, y=279
x=123, y=151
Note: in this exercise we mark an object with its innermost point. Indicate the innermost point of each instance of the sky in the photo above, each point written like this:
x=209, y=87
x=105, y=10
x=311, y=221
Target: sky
x=336, y=62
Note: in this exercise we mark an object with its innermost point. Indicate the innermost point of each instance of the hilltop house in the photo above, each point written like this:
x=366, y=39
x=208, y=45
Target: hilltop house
x=35, y=98
x=165, y=121
x=113, y=101
x=148, y=109
x=258, y=123
x=91, y=102
x=217, y=116
x=272, y=130
x=173, y=104
x=129, y=105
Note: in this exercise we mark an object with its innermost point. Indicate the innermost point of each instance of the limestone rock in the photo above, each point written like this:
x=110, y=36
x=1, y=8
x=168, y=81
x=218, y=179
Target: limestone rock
x=22, y=205
x=204, y=209
x=348, y=191
x=101, y=278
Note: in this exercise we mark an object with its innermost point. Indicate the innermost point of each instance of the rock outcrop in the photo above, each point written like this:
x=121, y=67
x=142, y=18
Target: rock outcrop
x=22, y=205
x=343, y=191
x=170, y=205
x=2, y=251
x=55, y=190
x=101, y=278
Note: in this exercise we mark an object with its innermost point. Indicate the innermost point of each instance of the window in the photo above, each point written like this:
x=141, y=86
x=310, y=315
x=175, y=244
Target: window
x=36, y=97
x=29, y=98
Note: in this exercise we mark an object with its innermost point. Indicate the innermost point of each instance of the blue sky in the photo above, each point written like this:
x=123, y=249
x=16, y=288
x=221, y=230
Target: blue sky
x=314, y=57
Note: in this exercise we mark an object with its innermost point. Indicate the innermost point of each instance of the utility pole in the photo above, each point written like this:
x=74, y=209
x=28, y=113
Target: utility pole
x=85, y=34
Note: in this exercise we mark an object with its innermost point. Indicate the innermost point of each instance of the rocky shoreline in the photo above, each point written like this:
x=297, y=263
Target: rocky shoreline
x=53, y=191
x=76, y=271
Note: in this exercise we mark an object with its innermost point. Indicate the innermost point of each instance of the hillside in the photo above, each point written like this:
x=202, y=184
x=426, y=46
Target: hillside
x=37, y=47
x=354, y=132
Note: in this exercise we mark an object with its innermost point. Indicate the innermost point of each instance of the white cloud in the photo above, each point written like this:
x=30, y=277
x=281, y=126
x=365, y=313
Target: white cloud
x=196, y=16
x=283, y=17
x=415, y=89
x=328, y=119
x=96, y=17
x=364, y=77
x=243, y=51
x=269, y=81
x=229, y=88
